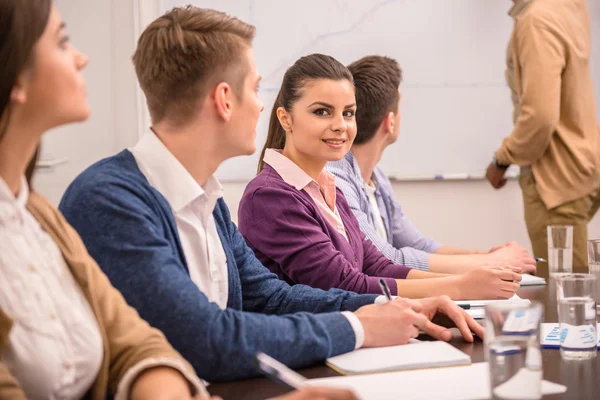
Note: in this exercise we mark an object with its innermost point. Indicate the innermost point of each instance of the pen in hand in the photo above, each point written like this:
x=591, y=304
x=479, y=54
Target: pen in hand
x=385, y=289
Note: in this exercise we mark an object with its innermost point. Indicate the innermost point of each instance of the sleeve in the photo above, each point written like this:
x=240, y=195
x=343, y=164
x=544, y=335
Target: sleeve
x=541, y=59
x=121, y=232
x=277, y=224
x=264, y=292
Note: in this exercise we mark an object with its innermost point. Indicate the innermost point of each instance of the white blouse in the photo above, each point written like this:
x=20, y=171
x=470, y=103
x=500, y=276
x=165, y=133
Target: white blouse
x=55, y=348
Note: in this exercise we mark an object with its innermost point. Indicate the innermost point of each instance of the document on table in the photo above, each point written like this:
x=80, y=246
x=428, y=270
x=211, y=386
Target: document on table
x=454, y=383
x=413, y=355
x=477, y=311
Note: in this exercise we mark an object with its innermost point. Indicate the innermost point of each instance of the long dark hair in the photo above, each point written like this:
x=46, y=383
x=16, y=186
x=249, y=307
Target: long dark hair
x=306, y=69
x=22, y=23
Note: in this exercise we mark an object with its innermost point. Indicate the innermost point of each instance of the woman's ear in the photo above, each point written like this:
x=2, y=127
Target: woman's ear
x=18, y=94
x=284, y=119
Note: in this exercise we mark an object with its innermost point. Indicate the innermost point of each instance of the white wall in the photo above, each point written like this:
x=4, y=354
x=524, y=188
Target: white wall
x=104, y=31
x=461, y=213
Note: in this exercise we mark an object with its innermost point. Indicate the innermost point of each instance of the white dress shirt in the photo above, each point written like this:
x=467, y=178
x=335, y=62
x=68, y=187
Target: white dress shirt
x=192, y=207
x=379, y=226
x=55, y=348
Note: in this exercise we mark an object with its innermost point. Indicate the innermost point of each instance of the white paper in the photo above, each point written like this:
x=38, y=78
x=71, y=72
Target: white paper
x=453, y=383
x=550, y=334
x=424, y=354
x=530, y=280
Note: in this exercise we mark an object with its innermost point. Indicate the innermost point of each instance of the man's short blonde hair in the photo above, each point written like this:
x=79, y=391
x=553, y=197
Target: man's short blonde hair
x=184, y=53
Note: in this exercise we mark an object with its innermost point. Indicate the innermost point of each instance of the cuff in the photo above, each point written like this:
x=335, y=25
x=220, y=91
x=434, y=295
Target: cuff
x=383, y=299
x=357, y=327
x=133, y=372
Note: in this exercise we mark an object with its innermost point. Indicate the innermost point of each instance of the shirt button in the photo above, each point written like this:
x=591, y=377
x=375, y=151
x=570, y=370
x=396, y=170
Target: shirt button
x=52, y=316
x=355, y=259
x=32, y=268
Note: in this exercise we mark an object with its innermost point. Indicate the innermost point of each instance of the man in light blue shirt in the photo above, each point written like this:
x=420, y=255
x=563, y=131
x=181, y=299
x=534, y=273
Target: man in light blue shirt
x=370, y=194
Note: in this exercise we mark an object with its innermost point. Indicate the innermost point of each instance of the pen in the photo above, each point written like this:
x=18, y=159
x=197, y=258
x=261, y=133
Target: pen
x=465, y=306
x=278, y=372
x=385, y=289
x=539, y=259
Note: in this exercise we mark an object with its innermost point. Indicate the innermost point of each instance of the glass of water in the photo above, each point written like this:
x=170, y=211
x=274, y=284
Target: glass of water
x=577, y=317
x=560, y=248
x=594, y=267
x=512, y=348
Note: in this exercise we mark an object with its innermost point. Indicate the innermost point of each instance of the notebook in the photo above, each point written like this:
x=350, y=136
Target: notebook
x=530, y=280
x=469, y=382
x=413, y=355
x=550, y=335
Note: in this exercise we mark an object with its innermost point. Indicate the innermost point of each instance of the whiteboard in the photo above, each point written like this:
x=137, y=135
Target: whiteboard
x=456, y=105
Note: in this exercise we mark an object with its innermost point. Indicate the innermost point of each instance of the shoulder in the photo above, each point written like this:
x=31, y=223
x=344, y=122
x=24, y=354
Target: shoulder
x=269, y=186
x=116, y=178
x=539, y=15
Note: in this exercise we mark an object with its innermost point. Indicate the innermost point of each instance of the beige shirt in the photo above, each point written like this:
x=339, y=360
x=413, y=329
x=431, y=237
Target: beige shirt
x=192, y=207
x=548, y=70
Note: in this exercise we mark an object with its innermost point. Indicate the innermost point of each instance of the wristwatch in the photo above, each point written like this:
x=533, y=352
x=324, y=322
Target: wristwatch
x=497, y=163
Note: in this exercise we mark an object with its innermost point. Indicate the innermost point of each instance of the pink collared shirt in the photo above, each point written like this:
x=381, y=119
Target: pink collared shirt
x=322, y=191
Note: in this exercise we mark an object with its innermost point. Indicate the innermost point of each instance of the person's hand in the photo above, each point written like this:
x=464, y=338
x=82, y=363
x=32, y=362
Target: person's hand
x=514, y=255
x=496, y=176
x=392, y=323
x=162, y=383
x=433, y=306
x=318, y=393
x=489, y=283
x=493, y=249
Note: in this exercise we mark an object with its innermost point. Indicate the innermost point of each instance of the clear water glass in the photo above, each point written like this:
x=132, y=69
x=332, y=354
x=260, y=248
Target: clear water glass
x=593, y=247
x=560, y=249
x=512, y=348
x=577, y=317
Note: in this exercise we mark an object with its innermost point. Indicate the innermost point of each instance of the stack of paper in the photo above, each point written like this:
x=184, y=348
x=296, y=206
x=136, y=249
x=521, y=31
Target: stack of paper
x=476, y=307
x=413, y=355
x=456, y=383
x=530, y=280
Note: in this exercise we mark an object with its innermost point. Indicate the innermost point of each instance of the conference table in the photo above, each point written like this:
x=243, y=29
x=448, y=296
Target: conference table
x=582, y=378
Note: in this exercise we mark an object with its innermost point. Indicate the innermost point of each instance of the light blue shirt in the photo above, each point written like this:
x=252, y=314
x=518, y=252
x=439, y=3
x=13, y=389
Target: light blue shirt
x=405, y=245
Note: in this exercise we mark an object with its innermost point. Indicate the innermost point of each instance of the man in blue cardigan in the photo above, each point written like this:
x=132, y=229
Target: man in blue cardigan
x=154, y=218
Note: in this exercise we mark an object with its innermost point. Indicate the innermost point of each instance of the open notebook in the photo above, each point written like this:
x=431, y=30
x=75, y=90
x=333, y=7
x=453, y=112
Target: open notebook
x=414, y=355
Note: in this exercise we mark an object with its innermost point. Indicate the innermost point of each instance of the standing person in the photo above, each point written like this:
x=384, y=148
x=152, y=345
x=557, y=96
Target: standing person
x=555, y=140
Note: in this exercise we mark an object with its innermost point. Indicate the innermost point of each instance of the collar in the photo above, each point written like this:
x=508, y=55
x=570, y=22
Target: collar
x=6, y=194
x=292, y=174
x=167, y=175
x=518, y=8
x=349, y=157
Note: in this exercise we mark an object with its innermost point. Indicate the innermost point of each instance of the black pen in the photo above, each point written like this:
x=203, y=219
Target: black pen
x=385, y=289
x=465, y=306
x=539, y=259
